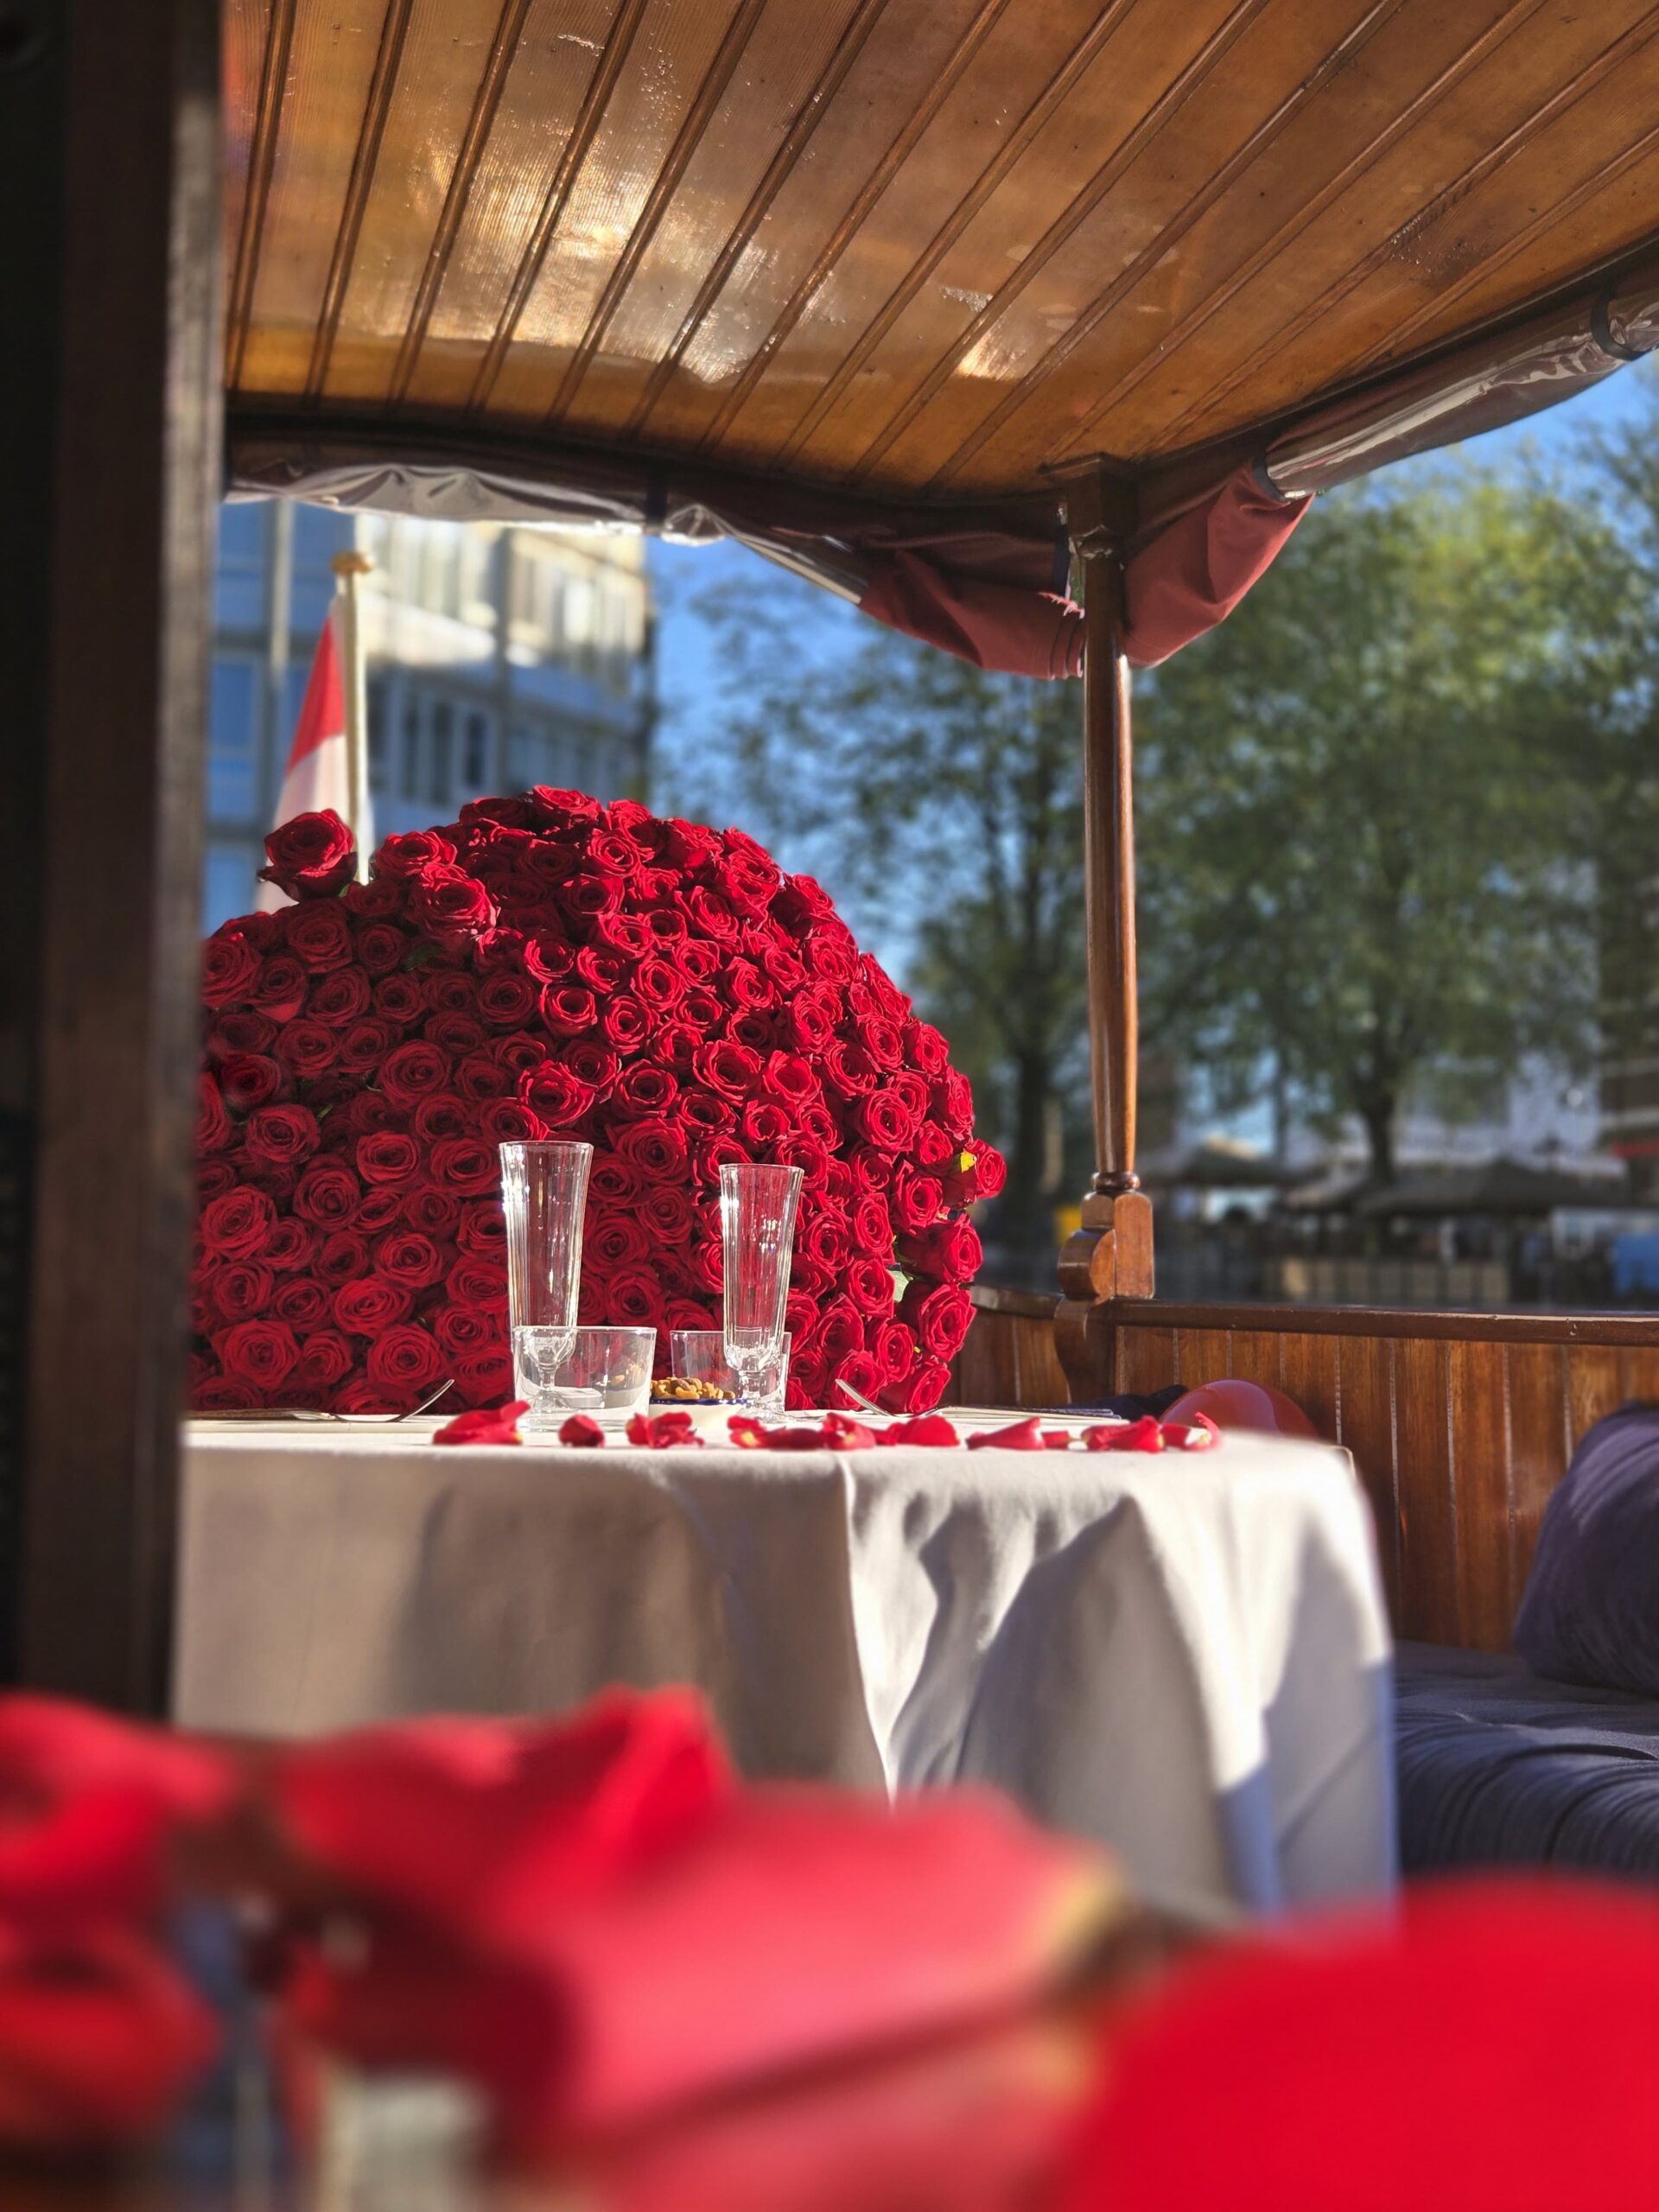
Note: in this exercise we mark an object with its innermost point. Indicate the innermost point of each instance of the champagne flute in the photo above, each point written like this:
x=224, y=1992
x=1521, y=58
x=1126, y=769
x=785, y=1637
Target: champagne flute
x=544, y=1195
x=757, y=1226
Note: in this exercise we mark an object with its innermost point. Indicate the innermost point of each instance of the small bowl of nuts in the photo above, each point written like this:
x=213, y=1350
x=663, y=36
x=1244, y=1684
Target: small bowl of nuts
x=686, y=1390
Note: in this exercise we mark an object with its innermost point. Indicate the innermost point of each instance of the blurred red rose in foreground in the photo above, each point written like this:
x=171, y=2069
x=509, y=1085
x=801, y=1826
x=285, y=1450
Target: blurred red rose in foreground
x=595, y=1926
x=1493, y=2049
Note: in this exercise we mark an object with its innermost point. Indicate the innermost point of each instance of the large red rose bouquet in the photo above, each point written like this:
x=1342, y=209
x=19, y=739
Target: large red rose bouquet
x=549, y=967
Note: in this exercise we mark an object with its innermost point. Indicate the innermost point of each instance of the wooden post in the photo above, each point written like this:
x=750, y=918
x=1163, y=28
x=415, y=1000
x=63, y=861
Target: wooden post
x=1109, y=1255
x=113, y=421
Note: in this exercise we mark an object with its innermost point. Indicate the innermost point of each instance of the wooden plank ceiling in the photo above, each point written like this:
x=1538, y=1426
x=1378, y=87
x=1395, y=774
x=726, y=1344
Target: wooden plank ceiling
x=906, y=247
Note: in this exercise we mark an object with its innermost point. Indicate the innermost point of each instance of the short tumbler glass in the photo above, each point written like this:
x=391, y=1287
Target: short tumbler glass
x=699, y=1355
x=604, y=1372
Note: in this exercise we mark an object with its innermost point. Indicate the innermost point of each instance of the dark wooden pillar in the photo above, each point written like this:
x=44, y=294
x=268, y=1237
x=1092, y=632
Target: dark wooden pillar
x=1110, y=1254
x=109, y=113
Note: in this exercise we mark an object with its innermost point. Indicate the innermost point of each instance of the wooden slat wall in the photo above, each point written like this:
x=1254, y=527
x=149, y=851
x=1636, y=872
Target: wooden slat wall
x=1461, y=1425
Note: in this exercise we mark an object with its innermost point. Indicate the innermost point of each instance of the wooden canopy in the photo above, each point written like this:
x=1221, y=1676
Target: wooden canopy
x=910, y=251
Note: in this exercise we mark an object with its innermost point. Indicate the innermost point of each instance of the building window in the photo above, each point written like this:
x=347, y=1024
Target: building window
x=239, y=579
x=228, y=884
x=410, y=778
x=443, y=753
x=475, y=755
x=232, y=743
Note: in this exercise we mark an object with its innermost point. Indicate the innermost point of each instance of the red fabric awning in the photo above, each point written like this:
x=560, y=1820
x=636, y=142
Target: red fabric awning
x=1181, y=583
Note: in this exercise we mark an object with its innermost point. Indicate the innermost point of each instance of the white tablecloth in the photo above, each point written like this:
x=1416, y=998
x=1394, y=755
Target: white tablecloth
x=1184, y=1656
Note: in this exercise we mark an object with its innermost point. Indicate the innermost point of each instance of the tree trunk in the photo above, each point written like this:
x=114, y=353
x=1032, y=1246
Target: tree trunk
x=1378, y=1116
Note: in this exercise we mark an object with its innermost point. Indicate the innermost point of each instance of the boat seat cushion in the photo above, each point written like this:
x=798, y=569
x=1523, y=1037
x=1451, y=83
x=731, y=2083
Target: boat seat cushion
x=1590, y=1612
x=1498, y=1768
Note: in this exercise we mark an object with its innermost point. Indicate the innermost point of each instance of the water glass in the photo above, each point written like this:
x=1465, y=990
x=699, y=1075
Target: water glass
x=757, y=1227
x=699, y=1355
x=544, y=1195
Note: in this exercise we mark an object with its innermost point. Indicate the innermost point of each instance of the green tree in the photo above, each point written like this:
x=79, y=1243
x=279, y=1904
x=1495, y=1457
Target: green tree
x=942, y=809
x=1357, y=804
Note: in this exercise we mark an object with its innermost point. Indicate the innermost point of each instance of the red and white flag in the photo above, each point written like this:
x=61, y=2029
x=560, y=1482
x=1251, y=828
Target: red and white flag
x=319, y=765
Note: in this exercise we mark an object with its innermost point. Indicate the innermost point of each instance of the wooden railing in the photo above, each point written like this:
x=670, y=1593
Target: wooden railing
x=1460, y=1424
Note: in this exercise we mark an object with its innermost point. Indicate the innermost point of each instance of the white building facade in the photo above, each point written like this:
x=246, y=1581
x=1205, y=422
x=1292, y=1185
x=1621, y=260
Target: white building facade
x=497, y=657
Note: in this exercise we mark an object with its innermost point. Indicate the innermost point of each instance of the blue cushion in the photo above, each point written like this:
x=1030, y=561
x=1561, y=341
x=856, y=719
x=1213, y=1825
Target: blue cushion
x=1497, y=1769
x=1590, y=1609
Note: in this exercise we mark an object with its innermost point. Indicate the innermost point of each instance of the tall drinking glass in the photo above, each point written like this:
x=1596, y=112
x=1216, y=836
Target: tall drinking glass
x=545, y=1194
x=757, y=1227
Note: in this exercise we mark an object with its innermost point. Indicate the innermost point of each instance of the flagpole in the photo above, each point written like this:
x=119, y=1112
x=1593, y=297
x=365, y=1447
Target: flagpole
x=347, y=568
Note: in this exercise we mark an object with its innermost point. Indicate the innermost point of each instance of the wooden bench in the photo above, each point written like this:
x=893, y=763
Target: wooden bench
x=1460, y=1424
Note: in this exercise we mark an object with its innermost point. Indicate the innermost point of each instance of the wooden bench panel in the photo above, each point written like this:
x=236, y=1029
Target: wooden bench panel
x=1460, y=1424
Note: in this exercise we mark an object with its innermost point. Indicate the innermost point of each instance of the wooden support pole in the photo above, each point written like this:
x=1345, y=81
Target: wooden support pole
x=348, y=567
x=116, y=445
x=1109, y=1255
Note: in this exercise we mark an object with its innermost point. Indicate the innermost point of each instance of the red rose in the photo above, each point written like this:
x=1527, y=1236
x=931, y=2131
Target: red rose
x=656, y=1147
x=951, y=1251
x=239, y=1029
x=387, y=1157
x=282, y=1136
x=466, y=1164
x=884, y=1119
x=454, y=1035
x=568, y=1009
x=412, y=1072
x=990, y=1170
x=483, y=1227
x=404, y=1359
x=378, y=947
x=483, y=1375
x=704, y=1114
x=219, y=1394
x=603, y=971
x=475, y=1281
x=858, y=1370
x=481, y=1075
x=839, y=1332
x=799, y=902
x=462, y=1329
x=611, y=1179
x=239, y=1225
x=613, y=1239
x=429, y=1210
x=869, y=1283
x=407, y=855
x=214, y=1128
x=925, y=1049
x=342, y=997
x=920, y=1391
x=399, y=1000
x=376, y=1210
x=810, y=1019
x=326, y=1358
x=378, y=901
x=634, y=1299
x=229, y=965
x=444, y=1114
x=242, y=1288
x=592, y=1063
x=307, y=1049
x=626, y=1023
x=409, y=1258
x=313, y=856
x=320, y=935
x=666, y=1212
x=825, y=1239
x=941, y=1316
x=363, y=1046
x=590, y=893
x=951, y=1102
x=730, y=1070
x=556, y=1096
x=247, y=1080
x=301, y=1302
x=563, y=809
x=328, y=1194
x=289, y=1246
x=369, y=1304
x=506, y=1121
x=340, y=1256
x=659, y=984
x=258, y=1353
x=848, y=1068
x=505, y=1001
x=449, y=904
x=916, y=1201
